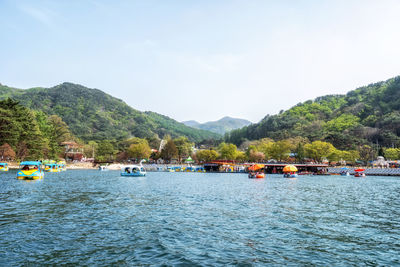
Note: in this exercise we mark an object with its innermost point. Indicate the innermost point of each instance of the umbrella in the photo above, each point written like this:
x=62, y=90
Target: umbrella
x=256, y=167
x=290, y=168
x=359, y=170
x=344, y=168
x=189, y=159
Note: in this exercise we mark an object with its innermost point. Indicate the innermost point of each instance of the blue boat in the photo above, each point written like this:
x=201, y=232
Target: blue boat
x=133, y=170
x=3, y=167
x=30, y=170
x=290, y=175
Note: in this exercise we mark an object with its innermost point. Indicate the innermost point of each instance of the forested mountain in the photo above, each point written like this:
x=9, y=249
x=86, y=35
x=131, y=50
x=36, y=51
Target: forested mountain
x=94, y=115
x=367, y=115
x=221, y=126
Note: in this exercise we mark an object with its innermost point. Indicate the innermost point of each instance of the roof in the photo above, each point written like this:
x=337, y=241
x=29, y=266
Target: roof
x=3, y=163
x=131, y=166
x=30, y=163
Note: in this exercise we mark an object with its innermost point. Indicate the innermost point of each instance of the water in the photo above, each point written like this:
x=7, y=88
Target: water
x=99, y=218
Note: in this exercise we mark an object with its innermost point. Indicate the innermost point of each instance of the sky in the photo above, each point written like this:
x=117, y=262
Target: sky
x=201, y=60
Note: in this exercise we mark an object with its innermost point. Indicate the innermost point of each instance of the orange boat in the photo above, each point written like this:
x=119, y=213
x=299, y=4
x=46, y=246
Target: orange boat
x=255, y=168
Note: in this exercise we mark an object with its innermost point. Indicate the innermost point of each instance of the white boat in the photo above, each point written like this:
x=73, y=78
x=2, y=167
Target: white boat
x=103, y=168
x=133, y=170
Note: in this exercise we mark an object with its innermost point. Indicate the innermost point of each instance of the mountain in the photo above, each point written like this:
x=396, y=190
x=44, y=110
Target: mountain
x=192, y=123
x=221, y=126
x=368, y=115
x=94, y=115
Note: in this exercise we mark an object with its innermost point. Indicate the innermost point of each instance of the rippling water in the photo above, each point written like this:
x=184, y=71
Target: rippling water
x=100, y=218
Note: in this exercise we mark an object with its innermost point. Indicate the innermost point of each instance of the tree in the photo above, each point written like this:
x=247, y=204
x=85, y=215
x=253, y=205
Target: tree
x=106, y=150
x=318, y=150
x=139, y=151
x=6, y=152
x=227, y=151
x=183, y=146
x=280, y=150
x=300, y=152
x=367, y=153
x=169, y=151
x=392, y=153
x=255, y=156
x=206, y=155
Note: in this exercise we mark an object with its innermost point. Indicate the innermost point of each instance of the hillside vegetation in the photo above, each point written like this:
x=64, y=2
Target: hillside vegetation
x=221, y=126
x=367, y=115
x=94, y=115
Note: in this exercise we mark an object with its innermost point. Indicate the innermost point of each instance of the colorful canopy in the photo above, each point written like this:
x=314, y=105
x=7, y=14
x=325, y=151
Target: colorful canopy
x=290, y=168
x=256, y=167
x=359, y=170
x=189, y=159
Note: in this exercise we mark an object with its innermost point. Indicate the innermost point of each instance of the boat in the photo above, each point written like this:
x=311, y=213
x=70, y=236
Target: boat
x=359, y=173
x=62, y=166
x=103, y=168
x=30, y=170
x=256, y=167
x=200, y=169
x=170, y=169
x=257, y=175
x=51, y=167
x=3, y=167
x=344, y=172
x=189, y=169
x=289, y=171
x=290, y=175
x=174, y=169
x=133, y=170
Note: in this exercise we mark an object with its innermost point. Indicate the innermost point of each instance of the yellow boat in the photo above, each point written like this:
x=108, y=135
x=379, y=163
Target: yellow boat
x=30, y=170
x=62, y=166
x=3, y=167
x=51, y=167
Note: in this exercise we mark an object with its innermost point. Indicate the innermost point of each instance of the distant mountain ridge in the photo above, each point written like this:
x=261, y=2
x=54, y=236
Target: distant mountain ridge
x=222, y=126
x=92, y=114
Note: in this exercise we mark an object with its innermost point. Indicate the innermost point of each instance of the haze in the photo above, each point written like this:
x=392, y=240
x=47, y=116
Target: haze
x=201, y=60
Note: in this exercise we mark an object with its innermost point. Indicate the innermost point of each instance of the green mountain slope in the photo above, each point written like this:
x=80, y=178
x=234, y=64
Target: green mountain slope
x=367, y=115
x=94, y=115
x=221, y=126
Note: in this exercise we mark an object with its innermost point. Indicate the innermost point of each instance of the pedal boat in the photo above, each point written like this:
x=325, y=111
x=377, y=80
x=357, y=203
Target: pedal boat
x=3, y=167
x=62, y=167
x=51, y=167
x=30, y=170
x=258, y=175
x=133, y=170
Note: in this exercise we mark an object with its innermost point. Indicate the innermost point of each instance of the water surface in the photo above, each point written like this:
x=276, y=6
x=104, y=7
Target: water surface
x=99, y=218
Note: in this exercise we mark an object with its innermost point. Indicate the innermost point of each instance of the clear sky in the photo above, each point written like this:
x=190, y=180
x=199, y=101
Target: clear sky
x=201, y=60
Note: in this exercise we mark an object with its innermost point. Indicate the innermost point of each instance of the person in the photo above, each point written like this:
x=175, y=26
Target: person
x=25, y=168
x=128, y=170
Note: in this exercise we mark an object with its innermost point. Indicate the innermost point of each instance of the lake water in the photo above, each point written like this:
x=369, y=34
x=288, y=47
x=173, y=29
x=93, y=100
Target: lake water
x=99, y=218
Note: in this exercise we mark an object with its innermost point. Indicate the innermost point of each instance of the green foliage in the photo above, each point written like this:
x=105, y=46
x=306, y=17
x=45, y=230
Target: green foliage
x=206, y=155
x=139, y=150
x=392, y=153
x=32, y=135
x=318, y=150
x=343, y=122
x=169, y=151
x=227, y=151
x=183, y=146
x=93, y=115
x=365, y=116
x=105, y=151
